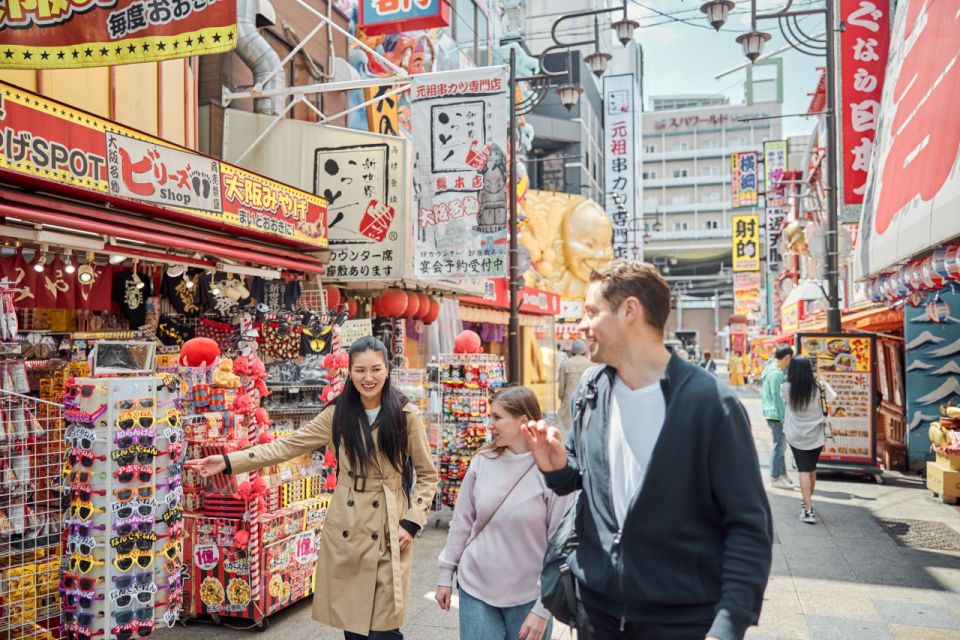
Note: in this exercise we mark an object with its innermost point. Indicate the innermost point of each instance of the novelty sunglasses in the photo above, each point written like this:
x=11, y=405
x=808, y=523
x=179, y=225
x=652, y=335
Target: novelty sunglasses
x=137, y=524
x=136, y=558
x=136, y=508
x=81, y=599
x=83, y=528
x=144, y=419
x=83, y=563
x=127, y=473
x=139, y=580
x=137, y=436
x=81, y=546
x=82, y=510
x=126, y=494
x=84, y=457
x=77, y=414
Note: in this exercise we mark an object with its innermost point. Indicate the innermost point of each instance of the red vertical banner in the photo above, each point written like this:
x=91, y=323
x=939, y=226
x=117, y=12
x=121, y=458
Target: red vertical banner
x=864, y=44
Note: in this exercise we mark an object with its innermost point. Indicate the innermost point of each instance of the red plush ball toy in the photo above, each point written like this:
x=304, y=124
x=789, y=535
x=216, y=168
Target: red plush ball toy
x=197, y=352
x=467, y=342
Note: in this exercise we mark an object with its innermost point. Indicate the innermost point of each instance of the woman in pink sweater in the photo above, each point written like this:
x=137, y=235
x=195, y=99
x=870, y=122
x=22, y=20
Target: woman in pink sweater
x=504, y=516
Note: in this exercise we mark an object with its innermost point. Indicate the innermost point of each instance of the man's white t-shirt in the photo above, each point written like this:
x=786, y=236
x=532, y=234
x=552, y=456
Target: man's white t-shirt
x=636, y=419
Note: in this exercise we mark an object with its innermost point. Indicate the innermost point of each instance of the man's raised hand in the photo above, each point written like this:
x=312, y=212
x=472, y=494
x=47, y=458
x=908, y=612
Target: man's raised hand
x=546, y=445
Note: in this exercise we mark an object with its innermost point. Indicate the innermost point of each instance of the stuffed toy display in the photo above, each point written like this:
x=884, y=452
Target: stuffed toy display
x=199, y=352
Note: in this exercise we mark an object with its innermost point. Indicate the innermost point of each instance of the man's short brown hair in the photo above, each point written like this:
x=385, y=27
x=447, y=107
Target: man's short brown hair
x=621, y=279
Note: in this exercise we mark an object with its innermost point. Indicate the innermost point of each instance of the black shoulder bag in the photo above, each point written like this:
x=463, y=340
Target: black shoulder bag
x=558, y=586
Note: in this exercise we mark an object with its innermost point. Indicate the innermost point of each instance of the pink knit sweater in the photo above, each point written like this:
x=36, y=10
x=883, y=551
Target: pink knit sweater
x=502, y=565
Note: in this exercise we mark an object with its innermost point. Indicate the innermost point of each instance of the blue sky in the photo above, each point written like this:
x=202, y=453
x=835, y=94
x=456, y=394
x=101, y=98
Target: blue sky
x=684, y=57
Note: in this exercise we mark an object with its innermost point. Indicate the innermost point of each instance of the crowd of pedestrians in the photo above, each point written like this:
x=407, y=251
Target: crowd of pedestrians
x=640, y=519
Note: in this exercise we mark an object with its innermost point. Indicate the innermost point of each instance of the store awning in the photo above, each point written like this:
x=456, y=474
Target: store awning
x=879, y=318
x=96, y=178
x=532, y=301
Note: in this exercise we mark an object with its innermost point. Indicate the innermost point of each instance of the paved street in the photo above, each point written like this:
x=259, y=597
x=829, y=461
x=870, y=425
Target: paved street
x=843, y=579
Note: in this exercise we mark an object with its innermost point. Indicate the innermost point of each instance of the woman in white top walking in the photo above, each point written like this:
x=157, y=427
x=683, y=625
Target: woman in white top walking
x=804, y=424
x=504, y=516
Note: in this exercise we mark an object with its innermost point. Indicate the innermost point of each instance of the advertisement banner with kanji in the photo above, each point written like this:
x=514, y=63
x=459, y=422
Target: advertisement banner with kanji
x=460, y=173
x=845, y=363
x=864, y=45
x=363, y=177
x=66, y=34
x=381, y=17
x=775, y=217
x=746, y=243
x=774, y=164
x=623, y=196
x=913, y=188
x=50, y=141
x=746, y=294
x=743, y=179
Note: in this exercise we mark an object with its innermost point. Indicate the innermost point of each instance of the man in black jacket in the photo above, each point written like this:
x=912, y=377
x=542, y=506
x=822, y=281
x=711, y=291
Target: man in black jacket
x=675, y=534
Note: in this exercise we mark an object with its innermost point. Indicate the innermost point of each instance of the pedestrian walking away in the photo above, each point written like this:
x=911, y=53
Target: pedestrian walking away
x=363, y=570
x=735, y=368
x=504, y=516
x=804, y=425
x=673, y=530
x=772, y=378
x=568, y=378
x=708, y=364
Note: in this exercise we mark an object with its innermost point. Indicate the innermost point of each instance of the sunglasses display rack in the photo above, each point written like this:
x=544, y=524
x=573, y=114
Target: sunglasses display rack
x=122, y=566
x=466, y=382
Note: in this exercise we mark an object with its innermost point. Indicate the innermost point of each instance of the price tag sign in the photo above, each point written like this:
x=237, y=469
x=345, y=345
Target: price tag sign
x=206, y=556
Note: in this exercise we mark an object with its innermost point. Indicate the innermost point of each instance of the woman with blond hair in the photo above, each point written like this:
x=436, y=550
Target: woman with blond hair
x=505, y=512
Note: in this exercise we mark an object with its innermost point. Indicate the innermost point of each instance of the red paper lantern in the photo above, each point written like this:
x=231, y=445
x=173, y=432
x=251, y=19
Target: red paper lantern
x=433, y=312
x=333, y=296
x=413, y=305
x=375, y=307
x=424, y=305
x=393, y=302
x=352, y=307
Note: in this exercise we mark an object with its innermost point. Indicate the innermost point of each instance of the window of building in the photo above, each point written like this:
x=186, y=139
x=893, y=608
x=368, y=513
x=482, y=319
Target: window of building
x=650, y=203
x=649, y=175
x=679, y=146
x=679, y=173
x=680, y=199
x=681, y=226
x=470, y=31
x=712, y=196
x=709, y=170
x=650, y=148
x=711, y=224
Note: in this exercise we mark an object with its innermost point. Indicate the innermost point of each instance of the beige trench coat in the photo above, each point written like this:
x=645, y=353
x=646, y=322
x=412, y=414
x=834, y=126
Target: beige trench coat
x=360, y=585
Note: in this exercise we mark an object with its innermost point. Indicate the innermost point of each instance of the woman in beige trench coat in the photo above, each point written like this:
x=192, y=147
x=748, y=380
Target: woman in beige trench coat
x=363, y=566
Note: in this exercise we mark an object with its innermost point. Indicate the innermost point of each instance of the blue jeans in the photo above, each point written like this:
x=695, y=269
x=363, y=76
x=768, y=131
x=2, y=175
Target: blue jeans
x=778, y=466
x=481, y=621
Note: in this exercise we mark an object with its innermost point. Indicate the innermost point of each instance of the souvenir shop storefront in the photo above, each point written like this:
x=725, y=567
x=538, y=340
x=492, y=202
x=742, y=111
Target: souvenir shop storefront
x=157, y=305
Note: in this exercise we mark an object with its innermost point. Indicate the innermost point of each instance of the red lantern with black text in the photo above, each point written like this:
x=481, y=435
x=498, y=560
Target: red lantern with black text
x=393, y=302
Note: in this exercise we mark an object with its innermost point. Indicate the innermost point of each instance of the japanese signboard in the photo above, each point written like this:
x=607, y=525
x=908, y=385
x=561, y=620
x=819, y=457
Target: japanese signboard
x=774, y=228
x=380, y=17
x=913, y=186
x=864, y=44
x=383, y=114
x=532, y=300
x=845, y=363
x=746, y=294
x=460, y=173
x=744, y=179
x=774, y=164
x=352, y=330
x=363, y=177
x=63, y=34
x=50, y=141
x=622, y=193
x=746, y=243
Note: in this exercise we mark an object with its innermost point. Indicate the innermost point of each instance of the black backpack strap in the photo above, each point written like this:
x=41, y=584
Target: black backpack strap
x=585, y=404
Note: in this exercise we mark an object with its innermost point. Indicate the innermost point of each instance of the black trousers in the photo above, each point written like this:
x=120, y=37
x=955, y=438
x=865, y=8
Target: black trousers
x=593, y=624
x=375, y=635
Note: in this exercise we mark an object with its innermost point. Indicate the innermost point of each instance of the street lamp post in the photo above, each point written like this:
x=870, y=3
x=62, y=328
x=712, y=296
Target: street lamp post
x=569, y=94
x=752, y=43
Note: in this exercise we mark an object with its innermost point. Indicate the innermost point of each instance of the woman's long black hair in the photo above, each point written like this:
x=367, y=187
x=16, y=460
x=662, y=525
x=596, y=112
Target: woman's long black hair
x=351, y=429
x=803, y=385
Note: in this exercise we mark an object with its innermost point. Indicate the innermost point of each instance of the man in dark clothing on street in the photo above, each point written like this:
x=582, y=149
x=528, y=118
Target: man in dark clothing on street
x=675, y=534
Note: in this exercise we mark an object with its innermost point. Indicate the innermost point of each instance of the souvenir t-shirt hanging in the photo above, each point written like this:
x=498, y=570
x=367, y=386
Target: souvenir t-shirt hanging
x=96, y=295
x=173, y=332
x=222, y=293
x=184, y=299
x=131, y=298
x=276, y=294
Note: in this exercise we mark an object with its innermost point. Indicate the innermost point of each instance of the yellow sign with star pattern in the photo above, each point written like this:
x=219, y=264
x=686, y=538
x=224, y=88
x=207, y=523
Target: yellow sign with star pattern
x=66, y=34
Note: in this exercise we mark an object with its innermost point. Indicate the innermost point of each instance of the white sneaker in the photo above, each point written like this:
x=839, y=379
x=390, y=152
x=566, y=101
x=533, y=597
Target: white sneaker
x=808, y=515
x=783, y=482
